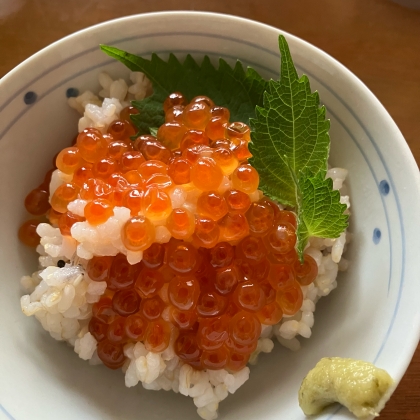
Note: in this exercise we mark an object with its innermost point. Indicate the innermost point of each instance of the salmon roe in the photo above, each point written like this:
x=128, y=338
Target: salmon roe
x=225, y=264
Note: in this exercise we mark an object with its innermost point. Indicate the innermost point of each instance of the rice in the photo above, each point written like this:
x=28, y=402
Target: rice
x=62, y=298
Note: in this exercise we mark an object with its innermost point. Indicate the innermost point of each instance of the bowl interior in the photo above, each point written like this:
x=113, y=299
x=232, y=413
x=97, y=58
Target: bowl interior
x=373, y=315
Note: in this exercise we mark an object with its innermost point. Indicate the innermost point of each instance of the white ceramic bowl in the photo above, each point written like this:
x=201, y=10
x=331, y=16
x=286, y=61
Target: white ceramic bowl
x=373, y=315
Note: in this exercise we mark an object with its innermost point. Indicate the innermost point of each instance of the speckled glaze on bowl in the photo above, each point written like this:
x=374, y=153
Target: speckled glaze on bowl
x=373, y=315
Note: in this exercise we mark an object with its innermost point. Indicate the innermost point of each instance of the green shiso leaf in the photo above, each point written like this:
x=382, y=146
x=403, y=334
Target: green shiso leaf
x=290, y=147
x=320, y=212
x=234, y=88
x=290, y=132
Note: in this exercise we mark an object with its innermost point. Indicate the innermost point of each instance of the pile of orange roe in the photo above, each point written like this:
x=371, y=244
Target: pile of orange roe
x=230, y=265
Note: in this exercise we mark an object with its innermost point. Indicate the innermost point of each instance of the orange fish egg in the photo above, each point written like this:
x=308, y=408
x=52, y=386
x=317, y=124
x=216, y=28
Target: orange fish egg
x=211, y=303
x=184, y=292
x=244, y=328
x=133, y=199
x=212, y=204
x=156, y=204
x=251, y=248
x=152, y=308
x=115, y=332
x=281, y=275
x=281, y=239
x=138, y=233
x=192, y=138
x=116, y=149
x=215, y=359
x=158, y=335
x=134, y=179
x=104, y=168
x=170, y=134
x=67, y=220
x=285, y=216
x=126, y=302
x=213, y=332
x=227, y=278
x=121, y=130
x=53, y=217
x=122, y=275
x=96, y=188
x=69, y=160
x=27, y=233
x=187, y=349
x=220, y=111
x=223, y=143
x=111, y=354
x=98, y=211
x=37, y=202
x=127, y=112
x=234, y=347
x=162, y=181
x=225, y=159
x=184, y=320
x=98, y=268
x=180, y=223
x=98, y=329
x=91, y=144
x=260, y=218
x=131, y=161
x=103, y=310
x=290, y=298
x=249, y=296
x=154, y=255
x=242, y=152
x=237, y=201
x=196, y=115
x=181, y=257
x=149, y=283
x=202, y=99
x=221, y=255
x=174, y=114
x=152, y=149
x=307, y=271
x=135, y=327
x=270, y=314
x=82, y=175
x=179, y=170
x=238, y=131
x=215, y=128
x=206, y=232
x=233, y=227
x=206, y=175
x=245, y=178
x=152, y=167
x=237, y=361
x=63, y=195
x=174, y=99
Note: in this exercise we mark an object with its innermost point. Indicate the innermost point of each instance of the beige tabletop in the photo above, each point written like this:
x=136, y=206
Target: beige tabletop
x=378, y=40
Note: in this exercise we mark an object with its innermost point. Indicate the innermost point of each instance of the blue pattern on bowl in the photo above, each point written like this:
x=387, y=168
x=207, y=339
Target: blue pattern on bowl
x=30, y=98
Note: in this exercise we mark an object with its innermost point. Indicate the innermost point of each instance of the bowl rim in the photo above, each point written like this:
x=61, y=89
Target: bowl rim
x=411, y=167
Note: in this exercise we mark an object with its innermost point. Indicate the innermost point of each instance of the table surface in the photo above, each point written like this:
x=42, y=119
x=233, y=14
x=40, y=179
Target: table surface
x=378, y=40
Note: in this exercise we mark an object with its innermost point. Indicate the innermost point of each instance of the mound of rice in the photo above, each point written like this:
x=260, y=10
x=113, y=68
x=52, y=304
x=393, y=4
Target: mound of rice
x=62, y=298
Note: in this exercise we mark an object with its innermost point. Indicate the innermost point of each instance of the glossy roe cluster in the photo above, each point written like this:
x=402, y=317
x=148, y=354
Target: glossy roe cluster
x=230, y=265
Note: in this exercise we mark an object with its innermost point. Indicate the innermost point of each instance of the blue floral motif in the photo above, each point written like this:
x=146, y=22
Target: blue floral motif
x=376, y=236
x=29, y=98
x=384, y=187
